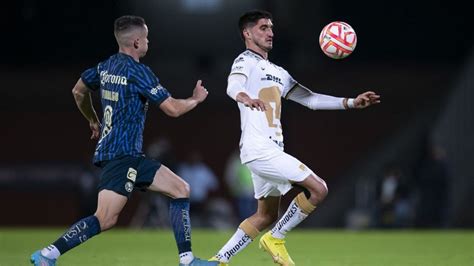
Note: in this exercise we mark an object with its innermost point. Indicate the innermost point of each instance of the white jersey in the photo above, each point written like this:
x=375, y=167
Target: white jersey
x=262, y=133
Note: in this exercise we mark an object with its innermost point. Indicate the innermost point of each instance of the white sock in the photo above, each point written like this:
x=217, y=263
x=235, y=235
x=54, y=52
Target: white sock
x=50, y=252
x=235, y=244
x=293, y=216
x=186, y=257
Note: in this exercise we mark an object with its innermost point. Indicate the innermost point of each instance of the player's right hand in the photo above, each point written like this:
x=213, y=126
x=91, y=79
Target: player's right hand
x=243, y=97
x=200, y=93
x=255, y=103
x=95, y=128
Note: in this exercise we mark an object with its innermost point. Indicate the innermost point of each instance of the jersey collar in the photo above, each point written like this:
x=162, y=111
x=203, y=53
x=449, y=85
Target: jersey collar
x=256, y=53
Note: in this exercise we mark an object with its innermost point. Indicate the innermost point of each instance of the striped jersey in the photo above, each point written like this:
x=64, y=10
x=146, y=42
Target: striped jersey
x=126, y=87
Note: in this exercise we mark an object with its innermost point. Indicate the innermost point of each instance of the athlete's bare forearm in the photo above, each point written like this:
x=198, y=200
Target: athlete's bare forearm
x=182, y=106
x=177, y=107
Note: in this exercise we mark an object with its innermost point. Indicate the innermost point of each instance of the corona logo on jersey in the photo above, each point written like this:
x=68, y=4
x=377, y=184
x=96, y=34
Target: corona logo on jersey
x=338, y=40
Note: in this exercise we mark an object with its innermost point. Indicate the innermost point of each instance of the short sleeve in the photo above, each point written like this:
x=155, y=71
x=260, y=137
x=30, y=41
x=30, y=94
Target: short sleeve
x=91, y=78
x=288, y=82
x=241, y=65
x=149, y=86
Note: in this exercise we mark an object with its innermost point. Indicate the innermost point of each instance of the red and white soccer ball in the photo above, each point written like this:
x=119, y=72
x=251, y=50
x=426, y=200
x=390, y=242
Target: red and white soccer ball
x=338, y=40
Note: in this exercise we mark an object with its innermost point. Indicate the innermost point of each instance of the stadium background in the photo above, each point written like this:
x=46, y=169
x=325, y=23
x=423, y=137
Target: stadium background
x=417, y=55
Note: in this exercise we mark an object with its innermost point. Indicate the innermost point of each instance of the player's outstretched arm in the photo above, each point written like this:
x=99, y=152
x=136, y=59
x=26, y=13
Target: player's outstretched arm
x=83, y=99
x=317, y=101
x=366, y=99
x=177, y=107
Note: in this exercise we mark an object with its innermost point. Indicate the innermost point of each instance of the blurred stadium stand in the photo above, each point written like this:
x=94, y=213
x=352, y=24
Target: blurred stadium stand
x=453, y=130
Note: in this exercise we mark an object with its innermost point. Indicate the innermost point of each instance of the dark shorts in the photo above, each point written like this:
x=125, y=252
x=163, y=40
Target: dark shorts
x=125, y=173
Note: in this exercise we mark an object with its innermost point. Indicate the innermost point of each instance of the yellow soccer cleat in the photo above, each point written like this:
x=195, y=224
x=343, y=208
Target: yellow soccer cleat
x=276, y=248
x=220, y=263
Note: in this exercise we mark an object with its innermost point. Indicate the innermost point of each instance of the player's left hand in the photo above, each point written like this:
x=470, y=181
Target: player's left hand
x=95, y=128
x=366, y=99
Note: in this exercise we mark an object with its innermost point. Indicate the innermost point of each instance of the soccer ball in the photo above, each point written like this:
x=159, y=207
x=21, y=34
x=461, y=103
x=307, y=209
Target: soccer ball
x=338, y=40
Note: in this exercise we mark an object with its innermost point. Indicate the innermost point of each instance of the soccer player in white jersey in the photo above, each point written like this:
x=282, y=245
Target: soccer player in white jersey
x=258, y=85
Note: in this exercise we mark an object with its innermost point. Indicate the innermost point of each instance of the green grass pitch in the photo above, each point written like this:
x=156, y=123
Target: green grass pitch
x=307, y=247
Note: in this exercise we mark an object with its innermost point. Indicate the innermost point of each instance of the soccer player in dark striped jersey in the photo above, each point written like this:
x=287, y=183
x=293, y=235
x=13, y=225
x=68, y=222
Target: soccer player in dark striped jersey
x=127, y=87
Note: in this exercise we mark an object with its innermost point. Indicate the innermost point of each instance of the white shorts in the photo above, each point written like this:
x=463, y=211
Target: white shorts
x=274, y=176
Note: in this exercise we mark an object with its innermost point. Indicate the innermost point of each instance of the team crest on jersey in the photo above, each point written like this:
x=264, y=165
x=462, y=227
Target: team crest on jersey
x=129, y=186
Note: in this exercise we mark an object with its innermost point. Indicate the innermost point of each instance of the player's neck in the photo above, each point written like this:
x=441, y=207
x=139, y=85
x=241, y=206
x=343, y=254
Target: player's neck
x=130, y=52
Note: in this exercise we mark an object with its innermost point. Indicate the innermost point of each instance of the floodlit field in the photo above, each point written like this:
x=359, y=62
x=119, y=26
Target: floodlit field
x=307, y=247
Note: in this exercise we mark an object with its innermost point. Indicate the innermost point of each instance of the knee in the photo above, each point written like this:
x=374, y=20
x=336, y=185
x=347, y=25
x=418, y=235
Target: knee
x=323, y=189
x=319, y=191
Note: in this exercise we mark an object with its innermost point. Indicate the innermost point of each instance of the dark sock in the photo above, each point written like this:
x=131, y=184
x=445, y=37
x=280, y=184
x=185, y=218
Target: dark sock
x=181, y=223
x=78, y=233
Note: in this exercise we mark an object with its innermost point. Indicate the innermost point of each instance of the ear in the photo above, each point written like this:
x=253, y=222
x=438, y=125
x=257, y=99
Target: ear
x=246, y=33
x=135, y=44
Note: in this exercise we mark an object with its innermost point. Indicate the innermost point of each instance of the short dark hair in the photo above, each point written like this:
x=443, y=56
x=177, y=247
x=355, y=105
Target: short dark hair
x=250, y=18
x=124, y=23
